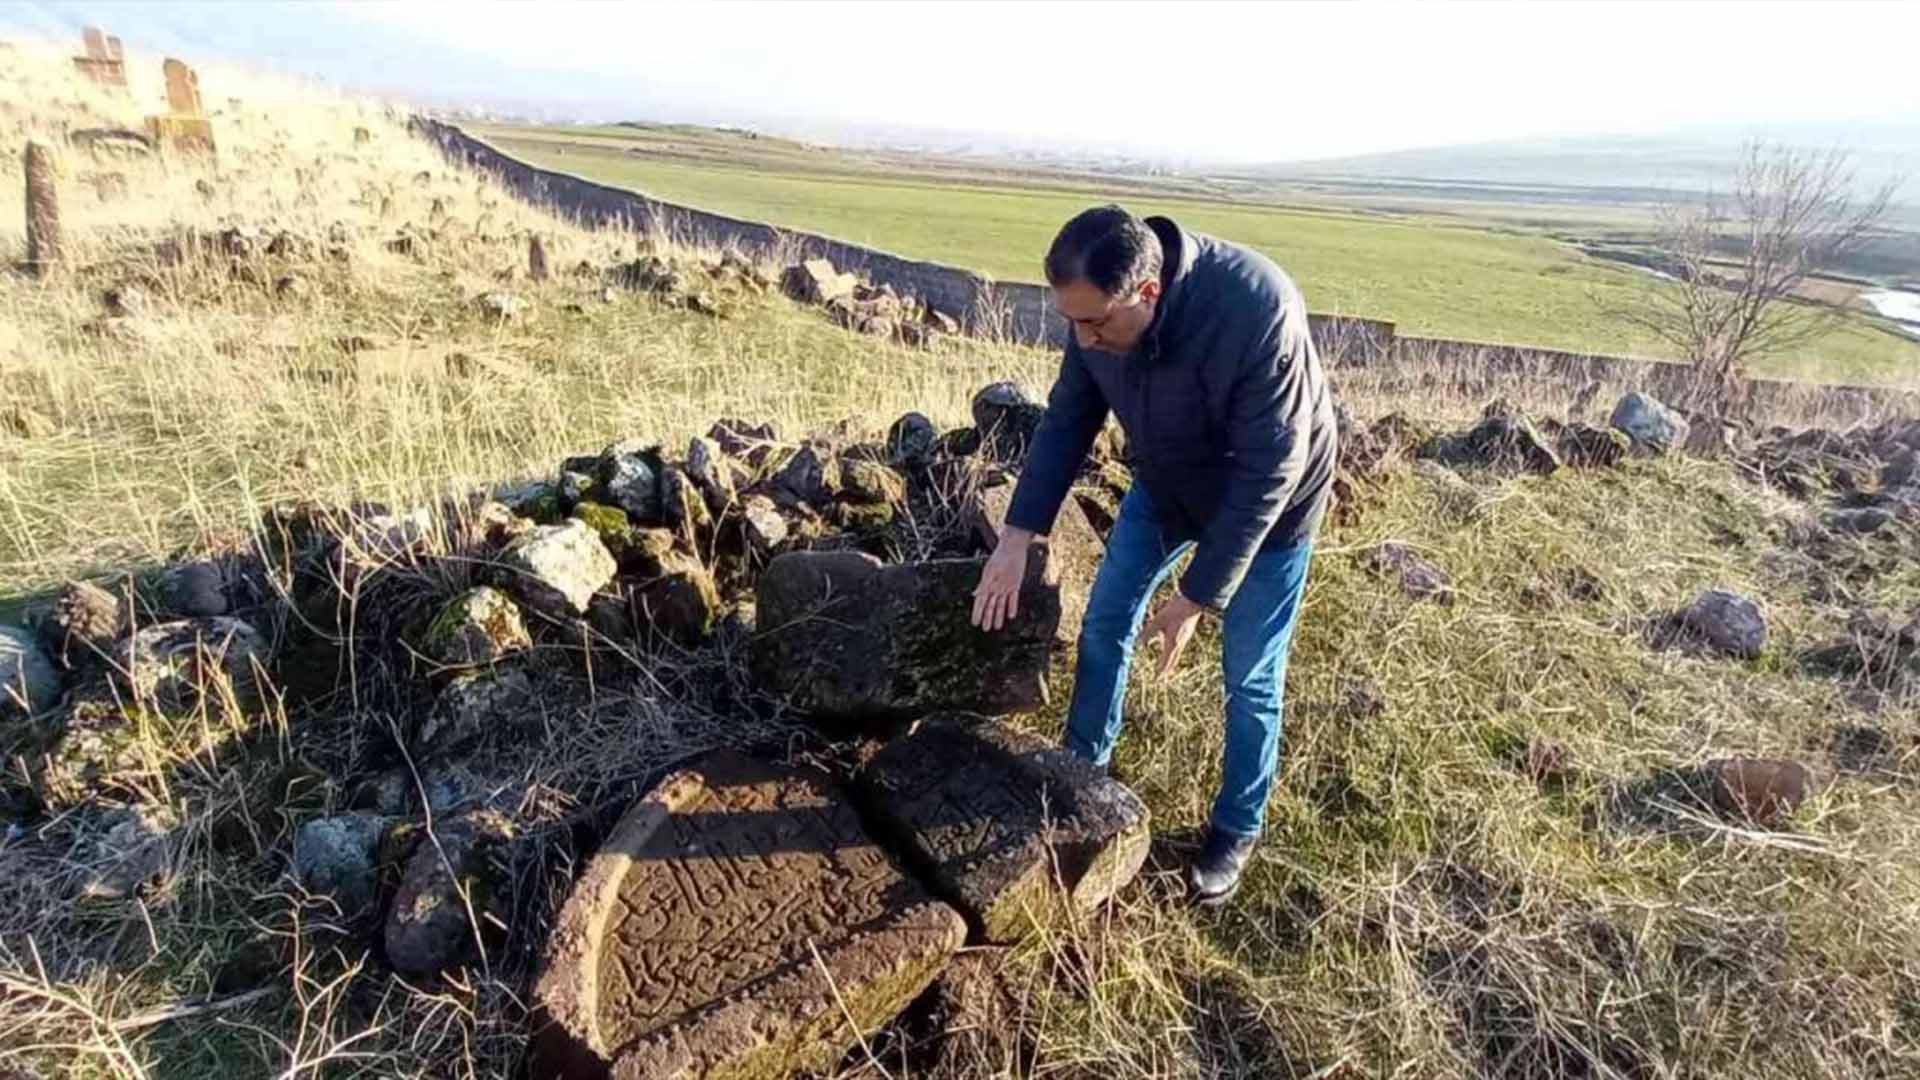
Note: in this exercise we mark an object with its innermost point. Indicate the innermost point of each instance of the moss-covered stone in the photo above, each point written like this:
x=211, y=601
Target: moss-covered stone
x=870, y=482
x=479, y=626
x=845, y=637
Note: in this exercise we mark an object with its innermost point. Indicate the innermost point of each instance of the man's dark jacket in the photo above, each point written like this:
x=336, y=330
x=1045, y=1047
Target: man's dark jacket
x=1228, y=418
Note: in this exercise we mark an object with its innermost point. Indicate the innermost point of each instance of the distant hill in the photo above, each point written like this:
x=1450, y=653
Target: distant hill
x=1616, y=168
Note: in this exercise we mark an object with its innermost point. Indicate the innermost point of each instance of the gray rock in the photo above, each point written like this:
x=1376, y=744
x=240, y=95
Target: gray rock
x=811, y=475
x=763, y=527
x=633, y=483
x=380, y=539
x=682, y=603
x=84, y=622
x=471, y=706
x=137, y=848
x=557, y=568
x=1729, y=622
x=910, y=441
x=479, y=626
x=707, y=467
x=28, y=681
x=683, y=507
x=460, y=868
x=196, y=589
x=1504, y=441
x=338, y=857
x=501, y=306
x=1653, y=427
x=1006, y=419
x=870, y=482
x=1861, y=520
x=176, y=667
x=1418, y=578
x=1901, y=469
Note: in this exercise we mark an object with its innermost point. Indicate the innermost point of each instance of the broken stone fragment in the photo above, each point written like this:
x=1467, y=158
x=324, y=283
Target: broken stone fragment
x=471, y=707
x=1653, y=427
x=1418, y=578
x=1006, y=419
x=338, y=857
x=556, y=569
x=137, y=848
x=1726, y=621
x=175, y=667
x=1011, y=828
x=451, y=894
x=83, y=622
x=480, y=626
x=870, y=482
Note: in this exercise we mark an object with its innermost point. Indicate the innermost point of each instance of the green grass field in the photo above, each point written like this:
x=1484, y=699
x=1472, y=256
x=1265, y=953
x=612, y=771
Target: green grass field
x=1433, y=276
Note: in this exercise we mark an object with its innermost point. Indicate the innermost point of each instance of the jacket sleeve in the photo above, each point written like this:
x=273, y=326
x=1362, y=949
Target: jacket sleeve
x=1269, y=429
x=1076, y=409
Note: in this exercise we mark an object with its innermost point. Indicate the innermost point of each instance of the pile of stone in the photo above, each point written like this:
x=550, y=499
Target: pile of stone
x=843, y=567
x=877, y=311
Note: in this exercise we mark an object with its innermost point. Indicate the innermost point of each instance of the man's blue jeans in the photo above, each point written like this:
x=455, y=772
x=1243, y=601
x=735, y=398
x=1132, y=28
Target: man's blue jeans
x=1257, y=632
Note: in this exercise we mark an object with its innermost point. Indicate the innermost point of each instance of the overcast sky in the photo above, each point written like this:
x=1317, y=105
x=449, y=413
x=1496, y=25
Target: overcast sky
x=1224, y=81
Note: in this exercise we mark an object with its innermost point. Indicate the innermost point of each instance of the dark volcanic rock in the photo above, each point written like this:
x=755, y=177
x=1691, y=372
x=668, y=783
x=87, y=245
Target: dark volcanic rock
x=1077, y=550
x=453, y=873
x=842, y=636
x=736, y=919
x=1005, y=824
x=1006, y=419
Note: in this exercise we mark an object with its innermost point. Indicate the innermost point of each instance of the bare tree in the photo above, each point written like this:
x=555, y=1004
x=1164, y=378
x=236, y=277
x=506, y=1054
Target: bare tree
x=1736, y=262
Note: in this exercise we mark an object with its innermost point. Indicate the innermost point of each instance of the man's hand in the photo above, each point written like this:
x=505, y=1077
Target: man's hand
x=997, y=598
x=1173, y=626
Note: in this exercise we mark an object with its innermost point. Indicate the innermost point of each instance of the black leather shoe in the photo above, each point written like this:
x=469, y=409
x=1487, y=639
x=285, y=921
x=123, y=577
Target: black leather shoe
x=1215, y=872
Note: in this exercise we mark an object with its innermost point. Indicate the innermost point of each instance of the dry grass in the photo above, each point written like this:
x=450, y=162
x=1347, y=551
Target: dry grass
x=1421, y=907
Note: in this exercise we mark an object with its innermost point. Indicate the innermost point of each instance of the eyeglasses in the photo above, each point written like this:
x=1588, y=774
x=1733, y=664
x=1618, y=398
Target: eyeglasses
x=1113, y=307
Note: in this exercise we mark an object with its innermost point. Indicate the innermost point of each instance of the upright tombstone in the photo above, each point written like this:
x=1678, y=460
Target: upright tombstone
x=536, y=259
x=183, y=88
x=104, y=64
x=43, y=211
x=184, y=129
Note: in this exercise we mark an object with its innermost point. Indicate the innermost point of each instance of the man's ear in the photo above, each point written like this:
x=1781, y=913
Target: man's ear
x=1150, y=290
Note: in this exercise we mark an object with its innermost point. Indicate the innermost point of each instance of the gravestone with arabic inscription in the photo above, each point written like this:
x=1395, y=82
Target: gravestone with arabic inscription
x=740, y=921
x=1008, y=826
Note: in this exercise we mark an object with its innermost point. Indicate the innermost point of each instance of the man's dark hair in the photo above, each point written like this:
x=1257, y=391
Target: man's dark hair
x=1109, y=247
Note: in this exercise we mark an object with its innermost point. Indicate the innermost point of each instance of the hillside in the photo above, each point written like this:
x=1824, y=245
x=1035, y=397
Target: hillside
x=1452, y=265
x=315, y=386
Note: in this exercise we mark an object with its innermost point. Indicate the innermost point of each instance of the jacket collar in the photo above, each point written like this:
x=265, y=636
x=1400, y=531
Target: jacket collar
x=1177, y=253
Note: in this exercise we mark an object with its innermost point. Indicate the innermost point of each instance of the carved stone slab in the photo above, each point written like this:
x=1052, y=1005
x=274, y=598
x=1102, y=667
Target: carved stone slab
x=739, y=922
x=1005, y=824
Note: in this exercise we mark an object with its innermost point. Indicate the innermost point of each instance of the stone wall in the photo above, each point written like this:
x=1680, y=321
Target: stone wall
x=1023, y=312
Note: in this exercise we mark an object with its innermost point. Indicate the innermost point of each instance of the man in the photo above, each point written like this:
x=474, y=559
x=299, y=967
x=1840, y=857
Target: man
x=1200, y=348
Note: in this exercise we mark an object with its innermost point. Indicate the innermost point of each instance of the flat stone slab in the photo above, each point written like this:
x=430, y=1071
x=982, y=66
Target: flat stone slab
x=734, y=923
x=1004, y=824
x=839, y=635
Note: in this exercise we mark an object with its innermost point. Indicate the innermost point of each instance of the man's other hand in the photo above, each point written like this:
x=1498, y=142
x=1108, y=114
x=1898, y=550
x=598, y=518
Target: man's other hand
x=1172, y=626
x=996, y=600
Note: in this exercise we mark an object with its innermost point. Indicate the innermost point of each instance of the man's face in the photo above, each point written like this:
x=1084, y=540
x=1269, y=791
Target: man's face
x=1108, y=323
